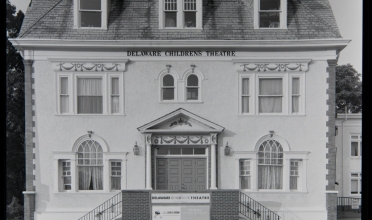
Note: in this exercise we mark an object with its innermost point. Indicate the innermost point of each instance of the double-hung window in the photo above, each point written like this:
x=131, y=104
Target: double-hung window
x=245, y=95
x=180, y=14
x=115, y=175
x=356, y=183
x=89, y=96
x=294, y=175
x=64, y=95
x=296, y=95
x=270, y=95
x=90, y=13
x=192, y=87
x=115, y=95
x=168, y=88
x=356, y=145
x=270, y=13
x=245, y=174
x=66, y=174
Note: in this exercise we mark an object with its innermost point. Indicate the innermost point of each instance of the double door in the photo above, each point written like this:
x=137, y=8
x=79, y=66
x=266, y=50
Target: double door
x=181, y=174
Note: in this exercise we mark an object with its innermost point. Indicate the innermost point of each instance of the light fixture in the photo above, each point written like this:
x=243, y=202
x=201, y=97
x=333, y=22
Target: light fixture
x=135, y=149
x=168, y=67
x=90, y=133
x=193, y=67
x=227, y=149
x=271, y=133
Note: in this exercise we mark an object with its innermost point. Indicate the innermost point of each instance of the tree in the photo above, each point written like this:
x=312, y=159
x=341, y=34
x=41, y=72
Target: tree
x=15, y=128
x=348, y=89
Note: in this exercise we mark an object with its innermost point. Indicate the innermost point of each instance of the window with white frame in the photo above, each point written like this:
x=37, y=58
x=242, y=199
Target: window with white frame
x=270, y=165
x=93, y=94
x=115, y=175
x=192, y=87
x=356, y=145
x=90, y=13
x=64, y=95
x=294, y=175
x=271, y=93
x=245, y=95
x=90, y=165
x=270, y=13
x=66, y=174
x=245, y=174
x=180, y=14
x=356, y=183
x=168, y=88
x=270, y=96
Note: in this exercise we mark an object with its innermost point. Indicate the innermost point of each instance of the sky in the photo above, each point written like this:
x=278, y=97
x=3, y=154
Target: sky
x=348, y=14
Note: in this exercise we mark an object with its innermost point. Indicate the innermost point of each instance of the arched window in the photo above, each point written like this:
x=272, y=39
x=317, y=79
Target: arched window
x=168, y=87
x=90, y=165
x=270, y=165
x=192, y=87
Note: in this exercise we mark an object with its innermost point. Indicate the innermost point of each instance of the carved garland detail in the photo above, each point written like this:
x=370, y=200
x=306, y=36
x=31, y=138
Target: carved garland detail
x=181, y=122
x=82, y=67
x=181, y=140
x=272, y=67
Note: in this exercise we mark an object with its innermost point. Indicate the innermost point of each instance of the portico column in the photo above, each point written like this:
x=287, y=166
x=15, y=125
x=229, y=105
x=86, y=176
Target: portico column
x=213, y=160
x=148, y=161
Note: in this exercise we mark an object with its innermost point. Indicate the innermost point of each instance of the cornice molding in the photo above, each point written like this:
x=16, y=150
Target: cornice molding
x=29, y=43
x=91, y=65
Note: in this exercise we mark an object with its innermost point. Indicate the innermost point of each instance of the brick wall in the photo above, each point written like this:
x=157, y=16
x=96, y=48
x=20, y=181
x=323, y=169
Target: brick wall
x=331, y=198
x=136, y=205
x=225, y=205
x=29, y=199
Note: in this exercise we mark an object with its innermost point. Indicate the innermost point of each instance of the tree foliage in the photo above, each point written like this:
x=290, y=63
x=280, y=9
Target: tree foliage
x=348, y=89
x=15, y=128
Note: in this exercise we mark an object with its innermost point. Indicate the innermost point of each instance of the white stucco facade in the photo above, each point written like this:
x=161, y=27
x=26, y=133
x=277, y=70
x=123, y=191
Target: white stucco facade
x=302, y=135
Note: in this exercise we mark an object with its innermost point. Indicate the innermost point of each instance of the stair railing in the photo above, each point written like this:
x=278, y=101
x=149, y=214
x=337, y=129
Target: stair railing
x=107, y=210
x=254, y=210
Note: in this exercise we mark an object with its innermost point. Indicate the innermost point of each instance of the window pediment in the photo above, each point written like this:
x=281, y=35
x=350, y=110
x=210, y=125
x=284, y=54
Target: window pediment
x=181, y=121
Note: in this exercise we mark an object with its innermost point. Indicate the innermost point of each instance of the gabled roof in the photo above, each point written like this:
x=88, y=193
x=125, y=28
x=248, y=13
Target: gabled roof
x=138, y=19
x=181, y=121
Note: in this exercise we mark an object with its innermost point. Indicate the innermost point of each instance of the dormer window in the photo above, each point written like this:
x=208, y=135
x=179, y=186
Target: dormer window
x=91, y=14
x=270, y=14
x=179, y=14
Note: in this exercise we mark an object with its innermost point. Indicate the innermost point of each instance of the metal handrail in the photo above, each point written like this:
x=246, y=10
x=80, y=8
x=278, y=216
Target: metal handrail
x=254, y=210
x=344, y=204
x=107, y=210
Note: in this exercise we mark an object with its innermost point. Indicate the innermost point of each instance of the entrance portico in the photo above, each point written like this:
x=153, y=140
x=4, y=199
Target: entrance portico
x=182, y=147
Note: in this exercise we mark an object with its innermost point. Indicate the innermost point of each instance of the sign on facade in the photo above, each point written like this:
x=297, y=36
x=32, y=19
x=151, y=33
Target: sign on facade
x=354, y=203
x=181, y=212
x=180, y=198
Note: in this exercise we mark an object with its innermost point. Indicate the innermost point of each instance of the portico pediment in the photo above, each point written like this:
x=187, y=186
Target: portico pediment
x=181, y=121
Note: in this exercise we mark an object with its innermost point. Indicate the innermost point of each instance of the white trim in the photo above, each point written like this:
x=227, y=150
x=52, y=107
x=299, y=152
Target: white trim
x=331, y=191
x=276, y=137
x=94, y=137
x=104, y=15
x=282, y=16
x=32, y=44
x=28, y=192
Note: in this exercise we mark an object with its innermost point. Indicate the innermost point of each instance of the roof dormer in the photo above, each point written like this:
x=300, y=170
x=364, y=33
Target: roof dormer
x=91, y=14
x=270, y=14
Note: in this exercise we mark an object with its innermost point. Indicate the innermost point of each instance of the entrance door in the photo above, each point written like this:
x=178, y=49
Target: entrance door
x=181, y=174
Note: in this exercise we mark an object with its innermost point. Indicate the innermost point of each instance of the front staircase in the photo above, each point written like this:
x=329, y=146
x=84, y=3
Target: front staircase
x=248, y=209
x=108, y=210
x=253, y=210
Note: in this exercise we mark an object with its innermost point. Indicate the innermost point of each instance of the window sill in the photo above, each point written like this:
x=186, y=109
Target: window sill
x=187, y=102
x=89, y=28
x=181, y=29
x=88, y=192
x=275, y=192
x=357, y=157
x=273, y=115
x=89, y=114
x=281, y=28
